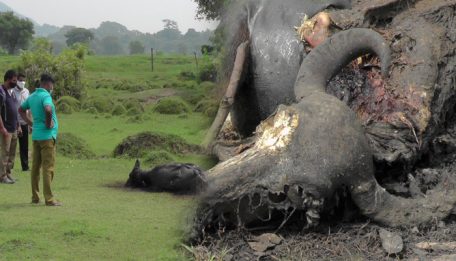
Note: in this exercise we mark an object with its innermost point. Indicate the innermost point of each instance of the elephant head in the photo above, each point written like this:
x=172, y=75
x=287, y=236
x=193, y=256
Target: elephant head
x=306, y=152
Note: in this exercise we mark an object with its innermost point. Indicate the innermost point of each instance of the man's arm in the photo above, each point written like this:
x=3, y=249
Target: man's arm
x=49, y=121
x=26, y=116
x=3, y=130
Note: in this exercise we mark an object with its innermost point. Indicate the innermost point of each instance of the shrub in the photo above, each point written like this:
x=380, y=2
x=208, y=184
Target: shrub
x=91, y=110
x=187, y=76
x=139, y=145
x=172, y=105
x=71, y=146
x=208, y=107
x=208, y=73
x=68, y=105
x=133, y=104
x=101, y=104
x=158, y=158
x=207, y=86
x=66, y=68
x=118, y=110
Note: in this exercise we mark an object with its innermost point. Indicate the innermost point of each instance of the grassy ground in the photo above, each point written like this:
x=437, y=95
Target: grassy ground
x=100, y=220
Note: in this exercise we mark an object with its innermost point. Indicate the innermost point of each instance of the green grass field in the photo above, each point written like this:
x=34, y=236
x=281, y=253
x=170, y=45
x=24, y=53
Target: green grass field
x=99, y=219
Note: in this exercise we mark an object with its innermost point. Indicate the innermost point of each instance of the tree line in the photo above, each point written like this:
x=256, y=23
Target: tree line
x=110, y=38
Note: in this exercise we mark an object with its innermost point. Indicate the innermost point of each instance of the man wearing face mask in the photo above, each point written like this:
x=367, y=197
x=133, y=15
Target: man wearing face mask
x=22, y=93
x=8, y=127
x=44, y=136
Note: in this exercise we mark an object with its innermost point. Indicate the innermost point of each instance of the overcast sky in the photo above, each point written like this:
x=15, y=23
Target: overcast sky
x=142, y=15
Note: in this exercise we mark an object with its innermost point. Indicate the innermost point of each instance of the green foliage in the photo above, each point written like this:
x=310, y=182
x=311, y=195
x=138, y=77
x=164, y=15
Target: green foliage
x=67, y=69
x=71, y=146
x=79, y=35
x=139, y=145
x=208, y=73
x=3, y=52
x=68, y=105
x=161, y=157
x=41, y=44
x=100, y=104
x=172, y=105
x=110, y=45
x=187, y=76
x=136, y=47
x=208, y=107
x=210, y=9
x=15, y=33
x=133, y=111
x=119, y=109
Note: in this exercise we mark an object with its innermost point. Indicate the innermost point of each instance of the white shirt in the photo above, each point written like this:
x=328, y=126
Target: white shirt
x=21, y=95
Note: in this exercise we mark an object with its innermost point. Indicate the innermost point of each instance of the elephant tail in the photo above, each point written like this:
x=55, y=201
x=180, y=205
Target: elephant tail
x=325, y=61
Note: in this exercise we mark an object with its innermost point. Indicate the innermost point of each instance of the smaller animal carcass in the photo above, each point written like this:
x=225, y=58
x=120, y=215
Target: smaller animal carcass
x=175, y=178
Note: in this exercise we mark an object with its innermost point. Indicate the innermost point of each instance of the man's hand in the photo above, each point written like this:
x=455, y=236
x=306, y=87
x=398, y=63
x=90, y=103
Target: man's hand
x=51, y=125
x=4, y=132
x=19, y=132
x=30, y=129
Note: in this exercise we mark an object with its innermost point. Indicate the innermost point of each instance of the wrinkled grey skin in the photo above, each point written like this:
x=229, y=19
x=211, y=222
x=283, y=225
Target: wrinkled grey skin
x=276, y=54
x=175, y=178
x=308, y=151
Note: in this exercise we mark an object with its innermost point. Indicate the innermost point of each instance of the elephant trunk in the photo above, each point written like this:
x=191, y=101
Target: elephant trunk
x=325, y=61
x=376, y=203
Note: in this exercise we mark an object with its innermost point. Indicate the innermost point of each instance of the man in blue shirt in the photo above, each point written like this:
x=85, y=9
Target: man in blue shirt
x=44, y=136
x=8, y=127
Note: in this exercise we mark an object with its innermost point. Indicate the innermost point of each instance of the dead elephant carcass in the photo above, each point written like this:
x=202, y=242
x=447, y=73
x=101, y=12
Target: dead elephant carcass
x=306, y=152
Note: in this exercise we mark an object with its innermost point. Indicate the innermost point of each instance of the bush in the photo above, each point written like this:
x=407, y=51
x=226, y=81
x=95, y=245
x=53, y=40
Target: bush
x=208, y=107
x=187, y=76
x=101, y=104
x=91, y=110
x=68, y=105
x=139, y=145
x=66, y=68
x=208, y=73
x=71, y=146
x=118, y=110
x=207, y=86
x=172, y=105
x=158, y=158
x=133, y=104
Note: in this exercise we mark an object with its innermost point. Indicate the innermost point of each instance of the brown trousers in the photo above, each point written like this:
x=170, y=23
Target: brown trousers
x=43, y=158
x=8, y=146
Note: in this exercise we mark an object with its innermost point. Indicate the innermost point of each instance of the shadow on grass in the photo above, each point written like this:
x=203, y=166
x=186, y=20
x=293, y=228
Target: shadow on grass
x=9, y=206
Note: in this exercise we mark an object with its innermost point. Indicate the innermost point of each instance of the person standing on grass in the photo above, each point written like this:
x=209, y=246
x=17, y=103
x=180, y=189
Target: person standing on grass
x=44, y=136
x=22, y=93
x=8, y=127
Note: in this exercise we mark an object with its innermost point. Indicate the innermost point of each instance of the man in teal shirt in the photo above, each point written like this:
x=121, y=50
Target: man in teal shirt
x=44, y=136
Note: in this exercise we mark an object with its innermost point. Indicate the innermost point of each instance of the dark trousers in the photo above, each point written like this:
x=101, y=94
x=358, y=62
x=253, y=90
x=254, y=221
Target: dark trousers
x=23, y=147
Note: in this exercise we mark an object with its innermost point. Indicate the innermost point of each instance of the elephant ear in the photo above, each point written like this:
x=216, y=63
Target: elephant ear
x=137, y=165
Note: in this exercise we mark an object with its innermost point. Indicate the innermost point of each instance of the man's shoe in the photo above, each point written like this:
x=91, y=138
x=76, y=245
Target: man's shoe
x=6, y=180
x=26, y=169
x=54, y=204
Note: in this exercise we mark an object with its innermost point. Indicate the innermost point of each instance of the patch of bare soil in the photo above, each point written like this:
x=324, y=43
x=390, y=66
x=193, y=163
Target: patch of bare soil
x=349, y=241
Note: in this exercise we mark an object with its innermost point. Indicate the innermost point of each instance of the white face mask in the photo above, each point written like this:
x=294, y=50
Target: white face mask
x=21, y=85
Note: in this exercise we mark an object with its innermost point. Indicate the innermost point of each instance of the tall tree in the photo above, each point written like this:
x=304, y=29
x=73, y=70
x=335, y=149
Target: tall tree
x=110, y=45
x=79, y=35
x=15, y=33
x=170, y=24
x=136, y=47
x=210, y=9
